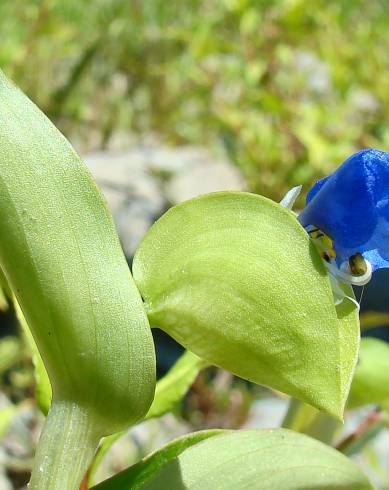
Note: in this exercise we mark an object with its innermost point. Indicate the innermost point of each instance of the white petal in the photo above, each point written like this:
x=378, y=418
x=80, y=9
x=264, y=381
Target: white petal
x=344, y=274
x=290, y=197
x=338, y=292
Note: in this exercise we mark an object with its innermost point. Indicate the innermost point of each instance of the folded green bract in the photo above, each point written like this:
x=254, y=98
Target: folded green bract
x=234, y=278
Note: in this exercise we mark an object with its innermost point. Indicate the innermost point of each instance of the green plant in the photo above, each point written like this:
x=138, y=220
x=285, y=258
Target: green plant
x=232, y=276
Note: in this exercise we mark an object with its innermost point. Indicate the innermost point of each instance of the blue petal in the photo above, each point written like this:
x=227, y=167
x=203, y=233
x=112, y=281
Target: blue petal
x=352, y=207
x=316, y=188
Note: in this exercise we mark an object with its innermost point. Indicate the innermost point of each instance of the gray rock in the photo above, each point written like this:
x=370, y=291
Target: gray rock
x=267, y=413
x=132, y=193
x=140, y=183
x=203, y=177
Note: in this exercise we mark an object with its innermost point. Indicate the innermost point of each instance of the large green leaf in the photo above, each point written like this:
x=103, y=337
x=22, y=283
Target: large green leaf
x=134, y=477
x=255, y=459
x=234, y=278
x=61, y=255
x=371, y=380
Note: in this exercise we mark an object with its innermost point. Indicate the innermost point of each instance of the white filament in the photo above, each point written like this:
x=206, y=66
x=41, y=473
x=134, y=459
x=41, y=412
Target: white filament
x=343, y=273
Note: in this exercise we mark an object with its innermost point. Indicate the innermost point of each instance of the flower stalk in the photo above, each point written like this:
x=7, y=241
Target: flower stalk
x=69, y=440
x=305, y=419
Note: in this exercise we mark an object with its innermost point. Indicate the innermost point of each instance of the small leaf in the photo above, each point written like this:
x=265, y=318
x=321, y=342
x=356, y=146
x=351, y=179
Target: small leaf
x=172, y=387
x=371, y=380
x=263, y=459
x=234, y=278
x=134, y=477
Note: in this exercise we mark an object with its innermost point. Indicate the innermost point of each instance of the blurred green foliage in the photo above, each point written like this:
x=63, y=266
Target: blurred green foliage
x=288, y=88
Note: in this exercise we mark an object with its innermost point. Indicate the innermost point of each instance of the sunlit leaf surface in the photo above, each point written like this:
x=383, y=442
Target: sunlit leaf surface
x=255, y=459
x=234, y=278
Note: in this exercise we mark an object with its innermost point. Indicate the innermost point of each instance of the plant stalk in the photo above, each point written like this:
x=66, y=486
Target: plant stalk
x=303, y=418
x=363, y=434
x=66, y=448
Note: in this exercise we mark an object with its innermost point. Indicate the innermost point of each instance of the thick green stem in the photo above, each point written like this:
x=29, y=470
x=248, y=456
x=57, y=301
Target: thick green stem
x=66, y=448
x=307, y=420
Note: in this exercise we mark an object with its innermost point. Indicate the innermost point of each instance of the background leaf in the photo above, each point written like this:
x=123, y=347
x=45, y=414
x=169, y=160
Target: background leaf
x=10, y=352
x=6, y=416
x=262, y=459
x=234, y=278
x=373, y=319
x=135, y=476
x=3, y=300
x=174, y=385
x=43, y=391
x=371, y=380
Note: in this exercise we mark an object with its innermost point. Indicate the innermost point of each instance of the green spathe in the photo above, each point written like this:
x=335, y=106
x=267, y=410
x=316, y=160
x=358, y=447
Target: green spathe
x=234, y=278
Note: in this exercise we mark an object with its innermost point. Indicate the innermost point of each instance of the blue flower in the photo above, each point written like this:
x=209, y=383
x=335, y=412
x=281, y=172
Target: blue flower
x=350, y=209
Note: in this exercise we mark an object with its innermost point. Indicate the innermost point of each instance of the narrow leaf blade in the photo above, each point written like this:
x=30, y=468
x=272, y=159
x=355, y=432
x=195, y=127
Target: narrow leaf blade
x=135, y=476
